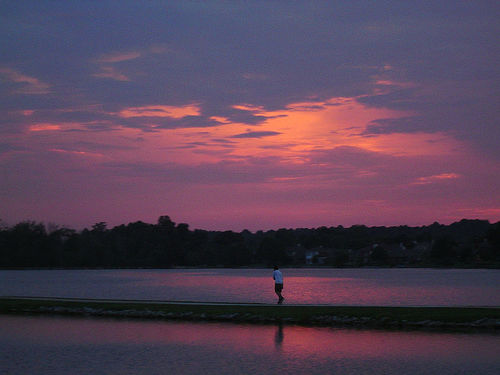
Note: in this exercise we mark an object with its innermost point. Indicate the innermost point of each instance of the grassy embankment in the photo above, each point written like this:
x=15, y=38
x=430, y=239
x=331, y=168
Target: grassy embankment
x=371, y=316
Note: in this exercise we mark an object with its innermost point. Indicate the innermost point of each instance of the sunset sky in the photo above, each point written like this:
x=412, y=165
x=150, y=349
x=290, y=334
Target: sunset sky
x=233, y=115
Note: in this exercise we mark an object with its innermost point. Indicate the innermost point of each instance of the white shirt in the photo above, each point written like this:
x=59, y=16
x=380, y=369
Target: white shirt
x=278, y=277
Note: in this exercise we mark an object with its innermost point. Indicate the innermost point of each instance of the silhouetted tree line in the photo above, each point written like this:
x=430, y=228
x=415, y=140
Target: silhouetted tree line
x=167, y=244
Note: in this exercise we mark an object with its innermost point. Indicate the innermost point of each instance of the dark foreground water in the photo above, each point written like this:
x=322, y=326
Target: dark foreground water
x=60, y=345
x=425, y=287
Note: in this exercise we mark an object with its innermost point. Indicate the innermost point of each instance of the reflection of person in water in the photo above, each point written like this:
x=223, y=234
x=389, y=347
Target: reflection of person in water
x=278, y=283
x=278, y=336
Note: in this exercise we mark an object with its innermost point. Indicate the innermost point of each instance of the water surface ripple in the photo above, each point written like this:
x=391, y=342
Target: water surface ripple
x=384, y=287
x=62, y=345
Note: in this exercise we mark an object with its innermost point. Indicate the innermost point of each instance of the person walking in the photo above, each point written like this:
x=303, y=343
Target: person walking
x=278, y=284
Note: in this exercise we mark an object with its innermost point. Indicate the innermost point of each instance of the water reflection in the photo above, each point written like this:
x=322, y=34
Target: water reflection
x=279, y=336
x=39, y=345
x=303, y=286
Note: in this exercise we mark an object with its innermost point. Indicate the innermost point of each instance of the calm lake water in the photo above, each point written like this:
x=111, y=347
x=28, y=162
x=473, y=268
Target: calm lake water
x=425, y=287
x=59, y=345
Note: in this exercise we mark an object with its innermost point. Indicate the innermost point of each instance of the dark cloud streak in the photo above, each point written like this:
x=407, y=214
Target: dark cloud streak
x=256, y=134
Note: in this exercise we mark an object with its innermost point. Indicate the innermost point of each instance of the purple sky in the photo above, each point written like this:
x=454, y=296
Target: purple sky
x=249, y=114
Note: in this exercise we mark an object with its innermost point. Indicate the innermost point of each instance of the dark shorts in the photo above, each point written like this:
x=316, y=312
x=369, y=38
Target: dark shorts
x=278, y=288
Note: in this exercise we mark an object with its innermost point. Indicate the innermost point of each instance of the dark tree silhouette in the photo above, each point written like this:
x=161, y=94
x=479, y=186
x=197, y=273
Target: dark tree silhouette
x=473, y=243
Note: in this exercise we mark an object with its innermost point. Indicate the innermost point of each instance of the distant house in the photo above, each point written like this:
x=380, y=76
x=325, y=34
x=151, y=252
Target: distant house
x=296, y=254
x=397, y=254
x=310, y=255
x=320, y=255
x=317, y=255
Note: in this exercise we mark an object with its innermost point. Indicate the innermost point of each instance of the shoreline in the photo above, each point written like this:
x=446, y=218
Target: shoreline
x=456, y=318
x=258, y=267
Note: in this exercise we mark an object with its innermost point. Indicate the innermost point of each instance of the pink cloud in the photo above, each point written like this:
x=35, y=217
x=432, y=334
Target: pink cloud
x=76, y=152
x=44, y=127
x=248, y=107
x=175, y=112
x=436, y=178
x=111, y=73
x=313, y=171
x=115, y=57
x=28, y=85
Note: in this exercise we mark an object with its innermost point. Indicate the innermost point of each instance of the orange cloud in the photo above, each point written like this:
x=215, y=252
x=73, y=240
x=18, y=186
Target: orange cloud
x=298, y=130
x=222, y=120
x=315, y=125
x=161, y=111
x=44, y=127
x=66, y=126
x=248, y=107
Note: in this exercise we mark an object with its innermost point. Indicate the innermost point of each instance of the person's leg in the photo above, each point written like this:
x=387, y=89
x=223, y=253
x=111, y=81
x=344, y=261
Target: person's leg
x=278, y=288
